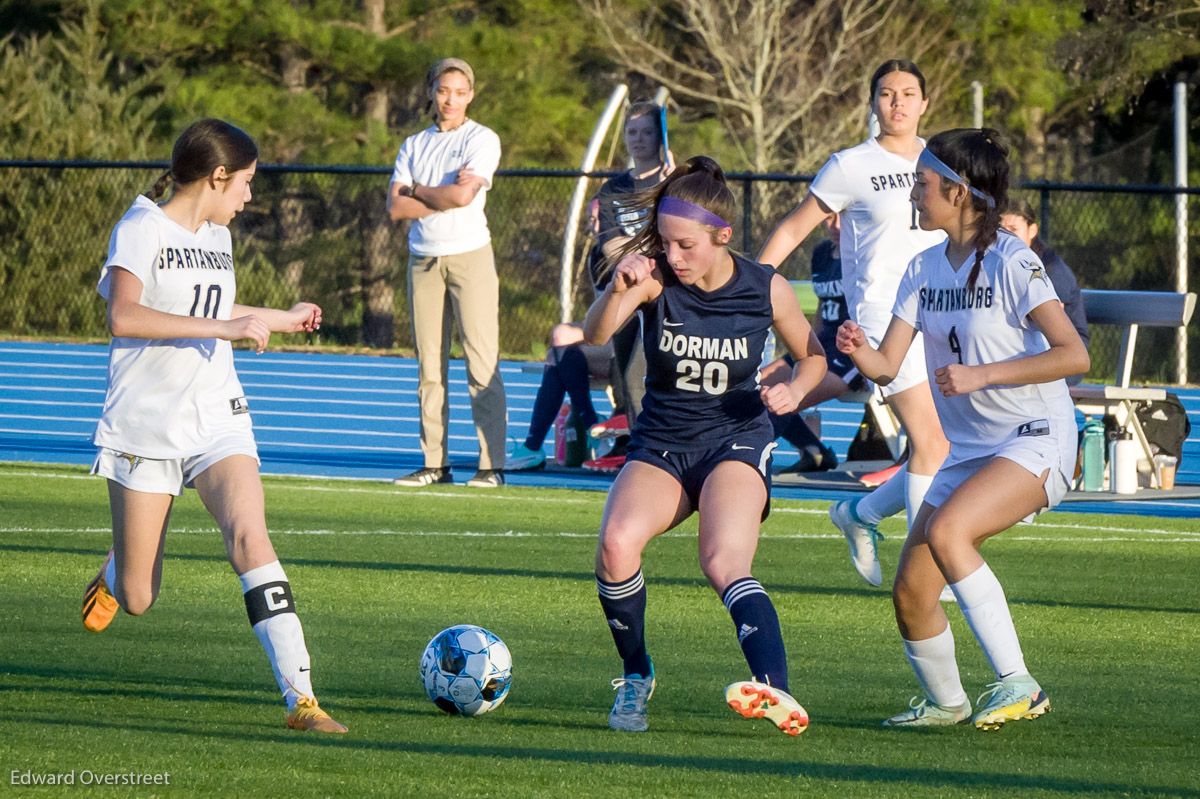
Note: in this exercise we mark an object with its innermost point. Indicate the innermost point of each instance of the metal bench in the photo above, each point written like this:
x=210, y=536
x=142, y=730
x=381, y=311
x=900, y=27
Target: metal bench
x=1131, y=310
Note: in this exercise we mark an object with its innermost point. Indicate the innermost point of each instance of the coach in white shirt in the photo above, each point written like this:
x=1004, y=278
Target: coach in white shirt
x=440, y=182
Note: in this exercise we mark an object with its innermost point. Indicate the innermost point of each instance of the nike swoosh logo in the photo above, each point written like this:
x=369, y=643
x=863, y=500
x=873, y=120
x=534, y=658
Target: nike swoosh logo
x=739, y=446
x=672, y=324
x=303, y=669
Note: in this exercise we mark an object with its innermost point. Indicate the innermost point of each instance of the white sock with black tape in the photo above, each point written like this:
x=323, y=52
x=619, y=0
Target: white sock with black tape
x=273, y=616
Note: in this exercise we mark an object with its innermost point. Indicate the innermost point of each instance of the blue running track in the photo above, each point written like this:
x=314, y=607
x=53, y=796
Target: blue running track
x=355, y=416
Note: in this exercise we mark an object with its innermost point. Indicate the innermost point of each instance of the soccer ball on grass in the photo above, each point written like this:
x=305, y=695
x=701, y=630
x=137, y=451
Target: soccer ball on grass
x=466, y=670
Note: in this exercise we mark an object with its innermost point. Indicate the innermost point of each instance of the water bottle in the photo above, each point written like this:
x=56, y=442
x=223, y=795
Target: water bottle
x=560, y=433
x=1122, y=461
x=1093, y=456
x=575, y=444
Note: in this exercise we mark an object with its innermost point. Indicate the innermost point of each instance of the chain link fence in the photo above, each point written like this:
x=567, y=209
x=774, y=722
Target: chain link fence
x=322, y=234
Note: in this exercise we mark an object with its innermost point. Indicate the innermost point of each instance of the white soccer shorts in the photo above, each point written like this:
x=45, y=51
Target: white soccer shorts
x=172, y=475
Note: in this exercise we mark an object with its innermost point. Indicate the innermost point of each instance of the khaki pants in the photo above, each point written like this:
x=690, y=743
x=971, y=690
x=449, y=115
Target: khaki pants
x=442, y=289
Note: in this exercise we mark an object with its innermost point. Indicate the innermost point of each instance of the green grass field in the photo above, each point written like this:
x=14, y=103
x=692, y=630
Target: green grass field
x=1107, y=608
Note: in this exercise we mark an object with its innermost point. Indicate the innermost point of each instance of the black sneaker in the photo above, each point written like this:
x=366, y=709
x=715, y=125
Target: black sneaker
x=426, y=476
x=487, y=478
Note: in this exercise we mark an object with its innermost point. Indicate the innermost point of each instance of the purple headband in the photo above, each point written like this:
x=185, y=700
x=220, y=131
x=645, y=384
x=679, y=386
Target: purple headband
x=673, y=206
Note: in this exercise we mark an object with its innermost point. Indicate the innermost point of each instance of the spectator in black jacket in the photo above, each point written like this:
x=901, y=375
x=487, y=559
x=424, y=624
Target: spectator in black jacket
x=1019, y=220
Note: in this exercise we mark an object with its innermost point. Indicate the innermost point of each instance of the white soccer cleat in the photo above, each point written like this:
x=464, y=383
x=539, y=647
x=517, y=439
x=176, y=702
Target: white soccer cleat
x=862, y=537
x=756, y=700
x=923, y=713
x=1011, y=699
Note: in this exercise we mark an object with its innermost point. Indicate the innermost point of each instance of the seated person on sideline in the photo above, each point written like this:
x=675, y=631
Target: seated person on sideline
x=842, y=376
x=570, y=364
x=1020, y=221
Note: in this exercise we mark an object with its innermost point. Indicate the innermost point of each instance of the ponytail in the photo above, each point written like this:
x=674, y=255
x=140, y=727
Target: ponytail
x=700, y=181
x=160, y=186
x=200, y=149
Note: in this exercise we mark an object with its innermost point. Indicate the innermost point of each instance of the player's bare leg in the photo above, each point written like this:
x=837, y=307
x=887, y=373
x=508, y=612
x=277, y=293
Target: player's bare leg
x=947, y=540
x=232, y=491
x=731, y=505
x=132, y=574
x=643, y=502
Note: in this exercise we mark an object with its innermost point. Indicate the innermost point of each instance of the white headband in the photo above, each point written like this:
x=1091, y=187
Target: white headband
x=931, y=161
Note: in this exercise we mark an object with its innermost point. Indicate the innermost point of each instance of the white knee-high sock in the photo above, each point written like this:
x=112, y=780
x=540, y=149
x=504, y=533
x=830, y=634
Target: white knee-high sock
x=915, y=488
x=985, y=607
x=936, y=668
x=886, y=500
x=273, y=616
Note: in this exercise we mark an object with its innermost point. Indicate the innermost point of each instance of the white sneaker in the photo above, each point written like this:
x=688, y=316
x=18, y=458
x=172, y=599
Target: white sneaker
x=947, y=595
x=628, y=712
x=862, y=537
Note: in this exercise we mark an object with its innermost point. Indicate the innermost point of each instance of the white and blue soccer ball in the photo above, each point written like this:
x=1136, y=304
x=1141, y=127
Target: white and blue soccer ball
x=466, y=670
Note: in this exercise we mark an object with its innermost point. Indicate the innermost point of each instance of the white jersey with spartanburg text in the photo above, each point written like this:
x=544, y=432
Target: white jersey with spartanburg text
x=870, y=188
x=988, y=325
x=170, y=398
x=433, y=158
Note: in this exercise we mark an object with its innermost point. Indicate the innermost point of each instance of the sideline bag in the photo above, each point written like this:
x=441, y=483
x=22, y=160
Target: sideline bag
x=1166, y=425
x=868, y=444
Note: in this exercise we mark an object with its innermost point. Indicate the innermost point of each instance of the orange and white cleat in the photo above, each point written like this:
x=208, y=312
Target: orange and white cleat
x=307, y=715
x=755, y=700
x=99, y=605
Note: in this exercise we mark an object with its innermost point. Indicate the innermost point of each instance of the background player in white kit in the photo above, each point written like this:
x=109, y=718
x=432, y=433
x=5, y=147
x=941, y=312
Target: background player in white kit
x=999, y=345
x=175, y=414
x=868, y=185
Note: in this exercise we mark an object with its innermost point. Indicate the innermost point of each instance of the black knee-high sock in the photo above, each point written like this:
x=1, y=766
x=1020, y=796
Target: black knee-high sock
x=545, y=407
x=573, y=371
x=757, y=627
x=624, y=605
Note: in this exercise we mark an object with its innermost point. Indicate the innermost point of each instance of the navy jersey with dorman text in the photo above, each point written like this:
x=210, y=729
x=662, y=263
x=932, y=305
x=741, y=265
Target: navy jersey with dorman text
x=703, y=350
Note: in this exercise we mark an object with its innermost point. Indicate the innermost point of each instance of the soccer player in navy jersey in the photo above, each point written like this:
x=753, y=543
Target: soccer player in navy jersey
x=702, y=442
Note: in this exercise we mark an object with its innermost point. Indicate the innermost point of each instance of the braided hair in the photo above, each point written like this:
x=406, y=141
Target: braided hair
x=980, y=155
x=200, y=149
